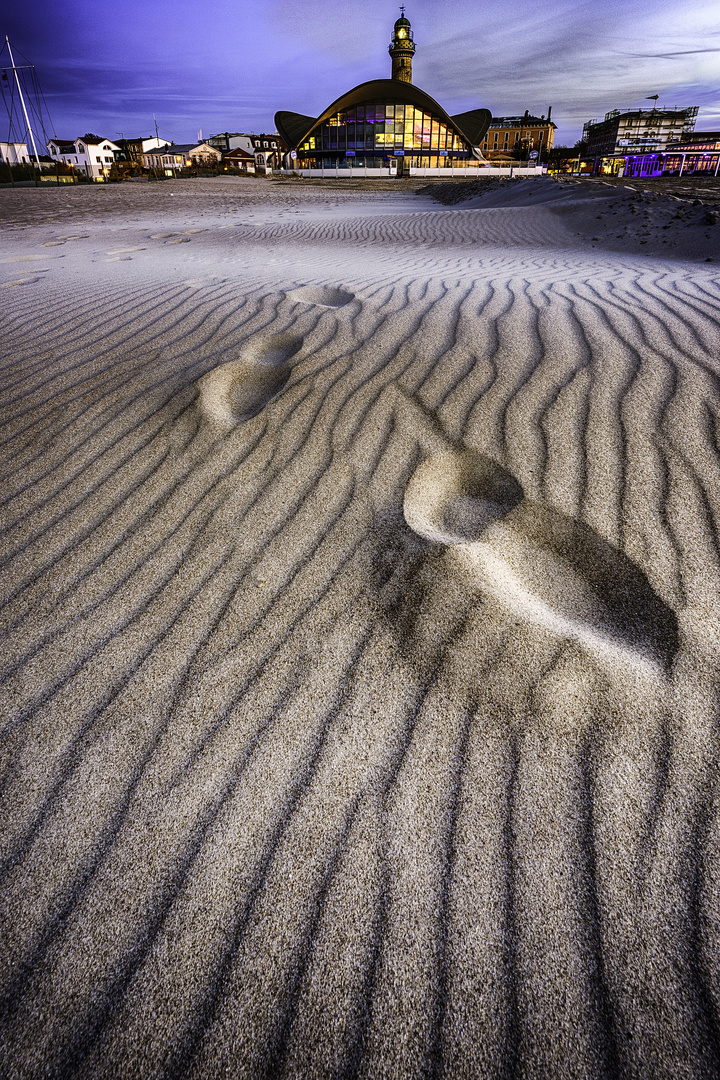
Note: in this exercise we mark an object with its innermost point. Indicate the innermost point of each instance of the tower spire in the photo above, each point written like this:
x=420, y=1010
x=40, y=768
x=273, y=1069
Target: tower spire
x=402, y=49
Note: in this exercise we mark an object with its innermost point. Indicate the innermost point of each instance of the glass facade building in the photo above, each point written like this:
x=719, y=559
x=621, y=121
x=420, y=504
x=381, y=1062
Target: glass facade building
x=372, y=132
x=384, y=120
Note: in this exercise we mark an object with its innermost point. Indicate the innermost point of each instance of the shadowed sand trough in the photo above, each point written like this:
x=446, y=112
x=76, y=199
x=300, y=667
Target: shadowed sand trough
x=360, y=584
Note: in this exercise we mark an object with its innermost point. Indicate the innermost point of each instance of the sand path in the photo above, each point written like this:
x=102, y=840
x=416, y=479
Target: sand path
x=360, y=582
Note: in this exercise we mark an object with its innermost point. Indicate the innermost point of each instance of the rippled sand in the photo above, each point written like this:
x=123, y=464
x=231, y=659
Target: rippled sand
x=361, y=612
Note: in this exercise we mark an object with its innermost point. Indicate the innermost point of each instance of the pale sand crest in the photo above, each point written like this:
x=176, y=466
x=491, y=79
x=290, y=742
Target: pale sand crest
x=360, y=580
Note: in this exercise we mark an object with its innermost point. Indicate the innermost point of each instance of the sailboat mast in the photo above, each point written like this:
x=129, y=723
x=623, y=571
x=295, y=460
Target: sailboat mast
x=22, y=102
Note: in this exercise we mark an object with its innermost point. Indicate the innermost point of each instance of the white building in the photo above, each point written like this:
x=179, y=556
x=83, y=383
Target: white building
x=95, y=157
x=152, y=144
x=14, y=153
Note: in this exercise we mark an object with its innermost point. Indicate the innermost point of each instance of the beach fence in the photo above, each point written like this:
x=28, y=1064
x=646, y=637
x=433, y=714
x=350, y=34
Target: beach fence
x=477, y=171
x=339, y=172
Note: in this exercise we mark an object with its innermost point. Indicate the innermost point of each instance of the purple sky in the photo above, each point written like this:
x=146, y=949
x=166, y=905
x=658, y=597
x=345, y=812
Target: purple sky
x=108, y=65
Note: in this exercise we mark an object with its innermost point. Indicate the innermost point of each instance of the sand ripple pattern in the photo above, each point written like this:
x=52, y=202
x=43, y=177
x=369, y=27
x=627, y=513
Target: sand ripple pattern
x=519, y=227
x=286, y=792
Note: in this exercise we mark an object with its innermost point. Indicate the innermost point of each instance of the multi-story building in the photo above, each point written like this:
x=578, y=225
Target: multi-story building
x=267, y=150
x=639, y=131
x=518, y=136
x=89, y=154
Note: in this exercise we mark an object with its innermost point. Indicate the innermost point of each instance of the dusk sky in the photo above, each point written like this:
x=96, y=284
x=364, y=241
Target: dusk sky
x=107, y=66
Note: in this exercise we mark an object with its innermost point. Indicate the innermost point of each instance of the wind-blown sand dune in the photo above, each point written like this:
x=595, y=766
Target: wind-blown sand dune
x=361, y=593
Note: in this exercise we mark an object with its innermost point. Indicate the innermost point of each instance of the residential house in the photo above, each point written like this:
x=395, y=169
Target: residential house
x=90, y=154
x=514, y=137
x=268, y=150
x=14, y=153
x=137, y=148
x=239, y=159
x=178, y=156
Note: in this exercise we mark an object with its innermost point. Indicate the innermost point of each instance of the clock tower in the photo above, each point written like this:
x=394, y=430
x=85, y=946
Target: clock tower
x=402, y=49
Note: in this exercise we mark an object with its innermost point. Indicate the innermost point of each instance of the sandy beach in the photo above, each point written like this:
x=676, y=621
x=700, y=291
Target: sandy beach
x=360, y=586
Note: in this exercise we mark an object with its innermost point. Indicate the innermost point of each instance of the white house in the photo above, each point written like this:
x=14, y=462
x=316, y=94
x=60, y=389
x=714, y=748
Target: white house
x=14, y=153
x=93, y=156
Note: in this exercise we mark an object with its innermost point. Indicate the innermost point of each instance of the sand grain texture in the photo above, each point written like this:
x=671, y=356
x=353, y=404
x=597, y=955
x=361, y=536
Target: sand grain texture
x=360, y=581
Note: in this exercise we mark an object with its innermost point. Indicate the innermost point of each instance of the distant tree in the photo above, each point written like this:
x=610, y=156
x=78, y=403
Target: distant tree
x=89, y=137
x=581, y=148
x=561, y=153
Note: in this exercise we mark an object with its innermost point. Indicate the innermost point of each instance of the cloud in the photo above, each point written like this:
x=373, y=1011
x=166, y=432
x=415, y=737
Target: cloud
x=232, y=63
x=671, y=55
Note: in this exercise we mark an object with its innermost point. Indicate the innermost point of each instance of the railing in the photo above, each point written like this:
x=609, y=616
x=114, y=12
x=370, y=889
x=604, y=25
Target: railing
x=480, y=171
x=347, y=172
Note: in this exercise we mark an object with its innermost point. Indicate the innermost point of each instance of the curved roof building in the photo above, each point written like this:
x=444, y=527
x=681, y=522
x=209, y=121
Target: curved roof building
x=385, y=118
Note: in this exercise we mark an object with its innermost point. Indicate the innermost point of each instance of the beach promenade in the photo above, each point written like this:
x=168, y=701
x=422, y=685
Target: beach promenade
x=360, y=601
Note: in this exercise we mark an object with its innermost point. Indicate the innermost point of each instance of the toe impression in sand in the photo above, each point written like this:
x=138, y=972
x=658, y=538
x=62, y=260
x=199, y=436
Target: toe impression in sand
x=238, y=390
x=544, y=566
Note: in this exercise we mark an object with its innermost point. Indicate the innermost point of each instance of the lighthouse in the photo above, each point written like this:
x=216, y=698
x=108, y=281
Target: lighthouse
x=402, y=49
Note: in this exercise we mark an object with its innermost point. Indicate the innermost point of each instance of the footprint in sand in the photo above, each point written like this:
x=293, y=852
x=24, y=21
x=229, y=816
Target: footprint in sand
x=544, y=566
x=240, y=389
x=173, y=238
x=29, y=258
x=321, y=295
x=24, y=281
